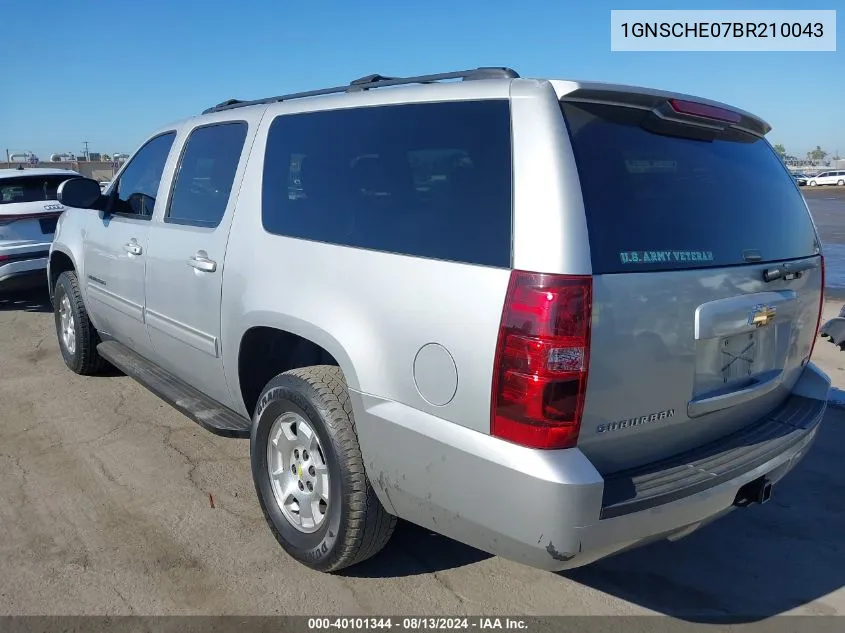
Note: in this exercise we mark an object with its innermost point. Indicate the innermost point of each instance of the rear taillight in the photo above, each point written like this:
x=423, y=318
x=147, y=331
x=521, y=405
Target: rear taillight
x=542, y=360
x=819, y=319
x=9, y=219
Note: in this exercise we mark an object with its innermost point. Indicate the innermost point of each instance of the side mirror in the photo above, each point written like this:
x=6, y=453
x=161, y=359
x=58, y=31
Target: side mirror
x=82, y=193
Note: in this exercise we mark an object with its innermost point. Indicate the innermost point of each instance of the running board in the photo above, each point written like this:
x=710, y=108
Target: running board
x=209, y=414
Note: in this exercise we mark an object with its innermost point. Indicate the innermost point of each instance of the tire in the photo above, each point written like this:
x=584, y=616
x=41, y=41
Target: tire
x=841, y=183
x=354, y=525
x=81, y=356
x=812, y=183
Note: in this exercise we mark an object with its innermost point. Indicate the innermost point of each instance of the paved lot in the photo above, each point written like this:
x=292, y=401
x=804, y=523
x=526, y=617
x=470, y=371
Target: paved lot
x=828, y=207
x=105, y=508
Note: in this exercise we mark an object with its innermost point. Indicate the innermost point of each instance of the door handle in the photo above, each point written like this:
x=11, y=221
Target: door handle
x=133, y=248
x=200, y=261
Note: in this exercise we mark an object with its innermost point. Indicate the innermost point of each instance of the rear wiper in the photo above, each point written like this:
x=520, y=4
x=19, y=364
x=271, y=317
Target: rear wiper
x=788, y=271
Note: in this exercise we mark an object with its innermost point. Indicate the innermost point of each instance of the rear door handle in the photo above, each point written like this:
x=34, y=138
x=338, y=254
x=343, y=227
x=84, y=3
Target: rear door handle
x=200, y=261
x=133, y=248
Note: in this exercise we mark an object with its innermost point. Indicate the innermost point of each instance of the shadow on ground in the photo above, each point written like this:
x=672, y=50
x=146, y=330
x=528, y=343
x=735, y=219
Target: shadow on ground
x=30, y=300
x=414, y=550
x=754, y=563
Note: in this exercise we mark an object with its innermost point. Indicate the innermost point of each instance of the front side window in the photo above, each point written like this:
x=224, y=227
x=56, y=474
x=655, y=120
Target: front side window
x=137, y=187
x=206, y=174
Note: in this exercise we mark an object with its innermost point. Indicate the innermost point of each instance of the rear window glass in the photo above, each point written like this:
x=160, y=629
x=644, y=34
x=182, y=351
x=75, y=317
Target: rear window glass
x=657, y=202
x=429, y=180
x=30, y=188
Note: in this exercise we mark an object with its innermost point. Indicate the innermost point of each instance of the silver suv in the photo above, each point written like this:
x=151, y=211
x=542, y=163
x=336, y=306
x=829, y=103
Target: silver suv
x=541, y=317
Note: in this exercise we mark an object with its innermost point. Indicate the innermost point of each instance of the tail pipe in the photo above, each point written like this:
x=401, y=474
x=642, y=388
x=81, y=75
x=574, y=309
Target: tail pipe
x=757, y=491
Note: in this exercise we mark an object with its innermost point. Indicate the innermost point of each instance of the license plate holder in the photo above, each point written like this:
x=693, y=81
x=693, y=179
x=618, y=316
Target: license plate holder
x=738, y=357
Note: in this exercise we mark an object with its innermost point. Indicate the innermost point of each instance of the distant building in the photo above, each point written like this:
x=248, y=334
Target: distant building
x=22, y=157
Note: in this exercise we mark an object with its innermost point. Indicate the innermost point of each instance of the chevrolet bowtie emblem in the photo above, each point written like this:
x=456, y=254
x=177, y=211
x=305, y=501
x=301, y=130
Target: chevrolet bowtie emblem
x=761, y=315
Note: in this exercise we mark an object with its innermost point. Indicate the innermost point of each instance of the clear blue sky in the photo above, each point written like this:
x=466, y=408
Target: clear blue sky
x=109, y=73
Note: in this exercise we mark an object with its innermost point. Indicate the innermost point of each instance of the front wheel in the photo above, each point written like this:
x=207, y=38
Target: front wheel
x=812, y=183
x=78, y=339
x=841, y=183
x=309, y=473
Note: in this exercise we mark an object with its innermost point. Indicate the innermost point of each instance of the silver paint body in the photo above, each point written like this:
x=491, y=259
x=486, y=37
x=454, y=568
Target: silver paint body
x=416, y=339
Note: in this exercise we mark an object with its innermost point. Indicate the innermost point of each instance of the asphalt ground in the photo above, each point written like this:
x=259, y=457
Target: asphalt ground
x=827, y=205
x=111, y=502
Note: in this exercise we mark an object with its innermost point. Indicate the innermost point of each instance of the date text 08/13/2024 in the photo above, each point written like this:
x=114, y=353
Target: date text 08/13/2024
x=410, y=623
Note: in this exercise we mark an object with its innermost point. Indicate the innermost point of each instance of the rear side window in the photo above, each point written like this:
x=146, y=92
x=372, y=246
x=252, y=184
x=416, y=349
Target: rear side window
x=657, y=202
x=428, y=180
x=206, y=174
x=31, y=188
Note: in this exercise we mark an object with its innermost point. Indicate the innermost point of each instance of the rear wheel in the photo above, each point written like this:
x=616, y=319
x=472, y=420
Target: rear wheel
x=841, y=183
x=309, y=472
x=78, y=339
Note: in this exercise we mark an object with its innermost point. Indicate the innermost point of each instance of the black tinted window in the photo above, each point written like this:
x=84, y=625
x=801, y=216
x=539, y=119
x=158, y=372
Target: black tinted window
x=659, y=202
x=206, y=174
x=31, y=188
x=138, y=184
x=429, y=180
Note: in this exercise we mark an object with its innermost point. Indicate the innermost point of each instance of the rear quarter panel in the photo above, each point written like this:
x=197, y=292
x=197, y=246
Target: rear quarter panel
x=373, y=311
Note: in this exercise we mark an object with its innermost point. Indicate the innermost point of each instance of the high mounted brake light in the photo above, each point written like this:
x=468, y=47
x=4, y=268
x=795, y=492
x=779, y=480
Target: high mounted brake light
x=703, y=110
x=542, y=360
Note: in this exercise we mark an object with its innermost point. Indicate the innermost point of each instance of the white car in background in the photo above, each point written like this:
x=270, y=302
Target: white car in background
x=832, y=177
x=29, y=212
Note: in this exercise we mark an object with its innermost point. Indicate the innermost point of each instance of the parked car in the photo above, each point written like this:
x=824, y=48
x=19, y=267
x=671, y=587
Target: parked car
x=832, y=177
x=28, y=214
x=801, y=179
x=426, y=303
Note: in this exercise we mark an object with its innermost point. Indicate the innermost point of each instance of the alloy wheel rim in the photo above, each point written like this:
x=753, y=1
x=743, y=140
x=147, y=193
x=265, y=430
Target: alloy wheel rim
x=67, y=325
x=299, y=475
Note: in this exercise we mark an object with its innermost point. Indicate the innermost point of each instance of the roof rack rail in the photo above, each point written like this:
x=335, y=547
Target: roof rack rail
x=375, y=81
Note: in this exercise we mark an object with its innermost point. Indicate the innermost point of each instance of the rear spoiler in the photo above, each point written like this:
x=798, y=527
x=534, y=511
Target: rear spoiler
x=667, y=106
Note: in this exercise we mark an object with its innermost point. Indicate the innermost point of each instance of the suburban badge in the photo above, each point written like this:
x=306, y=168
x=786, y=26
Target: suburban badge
x=638, y=421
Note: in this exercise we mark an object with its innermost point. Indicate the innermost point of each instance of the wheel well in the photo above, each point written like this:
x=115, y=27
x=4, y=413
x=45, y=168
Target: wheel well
x=266, y=352
x=59, y=263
